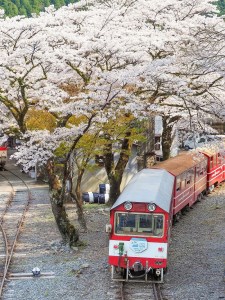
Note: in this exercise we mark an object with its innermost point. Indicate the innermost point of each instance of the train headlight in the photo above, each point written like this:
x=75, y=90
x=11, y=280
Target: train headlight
x=127, y=205
x=151, y=206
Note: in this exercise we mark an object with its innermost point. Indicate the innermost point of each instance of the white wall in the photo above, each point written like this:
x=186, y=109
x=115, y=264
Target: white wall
x=91, y=180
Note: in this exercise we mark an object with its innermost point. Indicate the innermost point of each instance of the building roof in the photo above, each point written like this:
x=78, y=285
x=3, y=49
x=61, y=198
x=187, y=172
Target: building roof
x=149, y=186
x=182, y=162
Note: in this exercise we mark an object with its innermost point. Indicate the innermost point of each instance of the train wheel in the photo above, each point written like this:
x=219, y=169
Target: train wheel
x=184, y=210
x=211, y=188
x=188, y=208
x=199, y=198
x=177, y=217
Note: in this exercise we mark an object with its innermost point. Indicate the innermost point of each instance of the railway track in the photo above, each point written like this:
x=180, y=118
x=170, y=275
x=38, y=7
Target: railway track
x=12, y=214
x=133, y=291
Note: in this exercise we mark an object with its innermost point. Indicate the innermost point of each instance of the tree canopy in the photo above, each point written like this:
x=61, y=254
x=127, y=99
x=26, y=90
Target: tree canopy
x=97, y=59
x=29, y=7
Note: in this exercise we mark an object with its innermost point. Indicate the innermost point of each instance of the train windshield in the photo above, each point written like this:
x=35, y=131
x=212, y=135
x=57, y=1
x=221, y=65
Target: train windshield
x=139, y=224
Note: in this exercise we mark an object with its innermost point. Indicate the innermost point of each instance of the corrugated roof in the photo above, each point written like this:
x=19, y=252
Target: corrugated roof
x=149, y=185
x=178, y=164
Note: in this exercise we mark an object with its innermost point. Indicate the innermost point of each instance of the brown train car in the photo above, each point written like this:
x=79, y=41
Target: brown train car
x=190, y=172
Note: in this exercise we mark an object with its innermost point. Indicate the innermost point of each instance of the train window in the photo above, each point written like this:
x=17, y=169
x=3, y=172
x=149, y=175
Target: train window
x=139, y=224
x=219, y=159
x=211, y=162
x=178, y=186
x=183, y=184
x=189, y=180
x=126, y=220
x=197, y=171
x=191, y=175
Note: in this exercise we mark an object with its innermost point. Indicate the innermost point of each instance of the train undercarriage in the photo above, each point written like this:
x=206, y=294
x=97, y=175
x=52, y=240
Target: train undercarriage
x=146, y=275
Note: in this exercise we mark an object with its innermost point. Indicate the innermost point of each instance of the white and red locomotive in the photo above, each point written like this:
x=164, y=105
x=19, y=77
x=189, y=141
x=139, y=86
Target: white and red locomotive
x=142, y=216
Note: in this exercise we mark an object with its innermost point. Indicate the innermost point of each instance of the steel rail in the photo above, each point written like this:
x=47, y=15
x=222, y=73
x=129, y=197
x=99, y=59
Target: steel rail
x=6, y=258
x=156, y=295
x=157, y=291
x=9, y=254
x=122, y=291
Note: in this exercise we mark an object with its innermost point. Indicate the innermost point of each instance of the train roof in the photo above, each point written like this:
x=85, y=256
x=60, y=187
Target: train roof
x=210, y=151
x=149, y=186
x=182, y=162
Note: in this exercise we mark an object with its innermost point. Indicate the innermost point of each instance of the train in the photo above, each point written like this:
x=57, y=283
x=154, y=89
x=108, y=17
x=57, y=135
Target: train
x=154, y=199
x=3, y=150
x=3, y=157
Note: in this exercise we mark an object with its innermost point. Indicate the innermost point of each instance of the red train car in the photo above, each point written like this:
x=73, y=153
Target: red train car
x=190, y=173
x=142, y=216
x=140, y=226
x=3, y=157
x=215, y=168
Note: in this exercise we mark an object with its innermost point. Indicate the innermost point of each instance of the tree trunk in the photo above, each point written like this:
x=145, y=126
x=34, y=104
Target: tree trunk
x=68, y=232
x=114, y=189
x=77, y=196
x=115, y=173
x=166, y=141
x=57, y=193
x=167, y=138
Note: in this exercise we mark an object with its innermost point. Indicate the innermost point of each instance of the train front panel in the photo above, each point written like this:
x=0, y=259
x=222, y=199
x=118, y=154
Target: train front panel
x=139, y=238
x=140, y=222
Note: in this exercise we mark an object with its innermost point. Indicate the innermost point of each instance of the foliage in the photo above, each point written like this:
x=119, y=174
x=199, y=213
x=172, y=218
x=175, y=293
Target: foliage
x=115, y=131
x=168, y=60
x=62, y=151
x=221, y=6
x=76, y=120
x=40, y=120
x=28, y=7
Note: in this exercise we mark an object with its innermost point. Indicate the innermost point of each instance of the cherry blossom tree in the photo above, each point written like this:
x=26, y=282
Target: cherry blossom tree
x=97, y=58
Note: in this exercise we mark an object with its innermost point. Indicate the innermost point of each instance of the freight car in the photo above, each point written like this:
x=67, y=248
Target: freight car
x=142, y=217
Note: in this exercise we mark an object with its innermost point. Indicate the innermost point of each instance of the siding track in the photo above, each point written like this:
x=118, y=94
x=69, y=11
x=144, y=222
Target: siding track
x=13, y=209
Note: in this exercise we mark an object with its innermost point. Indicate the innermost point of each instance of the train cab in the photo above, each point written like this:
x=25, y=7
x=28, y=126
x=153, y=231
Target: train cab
x=139, y=229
